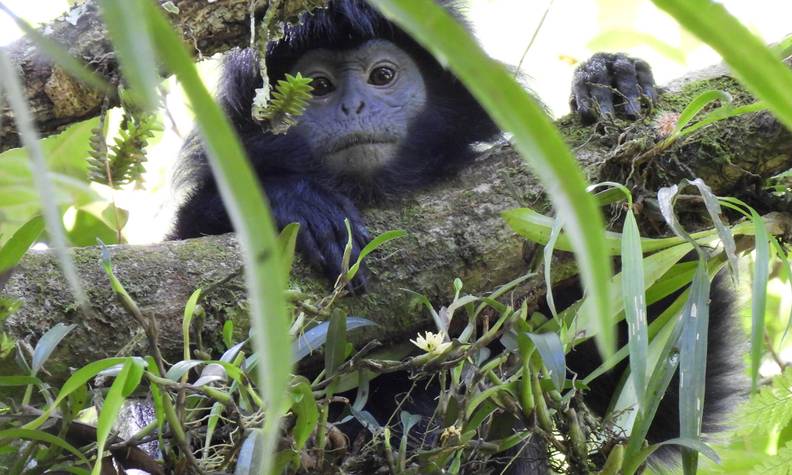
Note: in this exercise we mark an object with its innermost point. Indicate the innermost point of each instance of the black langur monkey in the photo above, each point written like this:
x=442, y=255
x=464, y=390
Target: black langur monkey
x=387, y=118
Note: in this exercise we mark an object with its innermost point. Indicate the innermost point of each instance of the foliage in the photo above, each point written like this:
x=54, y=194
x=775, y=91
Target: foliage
x=214, y=409
x=123, y=163
x=289, y=100
x=780, y=464
x=770, y=407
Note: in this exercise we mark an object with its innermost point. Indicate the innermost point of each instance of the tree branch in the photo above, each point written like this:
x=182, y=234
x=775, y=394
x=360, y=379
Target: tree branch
x=455, y=230
x=57, y=100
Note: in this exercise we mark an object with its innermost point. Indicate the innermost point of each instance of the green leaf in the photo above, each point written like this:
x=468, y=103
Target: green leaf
x=289, y=100
x=305, y=408
x=88, y=227
x=211, y=425
x=693, y=364
x=634, y=301
x=534, y=136
x=778, y=464
x=11, y=381
x=755, y=64
x=47, y=344
x=44, y=185
x=133, y=47
x=335, y=348
x=552, y=351
x=759, y=294
x=726, y=237
x=250, y=454
x=189, y=312
x=538, y=228
x=228, y=333
x=288, y=242
x=315, y=337
x=375, y=244
x=75, y=381
x=548, y=260
x=41, y=436
x=16, y=247
x=698, y=104
x=719, y=114
x=110, y=408
x=247, y=209
x=692, y=444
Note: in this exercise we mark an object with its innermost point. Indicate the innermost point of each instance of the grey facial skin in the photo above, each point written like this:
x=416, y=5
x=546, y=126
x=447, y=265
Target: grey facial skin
x=364, y=101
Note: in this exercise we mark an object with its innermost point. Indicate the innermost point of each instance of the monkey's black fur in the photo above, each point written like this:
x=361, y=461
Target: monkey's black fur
x=438, y=143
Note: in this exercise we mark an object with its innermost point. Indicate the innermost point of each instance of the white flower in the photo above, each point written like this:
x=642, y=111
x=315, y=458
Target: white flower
x=451, y=432
x=431, y=343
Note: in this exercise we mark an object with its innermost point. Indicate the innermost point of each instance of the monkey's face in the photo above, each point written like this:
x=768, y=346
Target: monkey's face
x=364, y=101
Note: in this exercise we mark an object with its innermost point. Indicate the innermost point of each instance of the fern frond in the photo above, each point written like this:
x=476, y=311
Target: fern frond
x=97, y=163
x=770, y=407
x=289, y=101
x=123, y=163
x=778, y=464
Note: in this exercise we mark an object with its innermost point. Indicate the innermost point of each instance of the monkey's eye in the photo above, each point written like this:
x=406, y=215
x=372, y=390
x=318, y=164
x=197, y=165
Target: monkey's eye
x=381, y=76
x=321, y=86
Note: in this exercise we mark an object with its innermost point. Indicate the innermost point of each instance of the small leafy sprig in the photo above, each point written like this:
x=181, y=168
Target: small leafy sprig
x=289, y=101
x=123, y=162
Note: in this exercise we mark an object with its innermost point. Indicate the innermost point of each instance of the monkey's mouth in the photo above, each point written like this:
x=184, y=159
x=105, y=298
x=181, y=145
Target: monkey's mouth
x=360, y=139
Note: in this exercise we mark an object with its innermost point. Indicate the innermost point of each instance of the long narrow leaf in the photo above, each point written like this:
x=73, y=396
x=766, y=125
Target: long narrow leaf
x=249, y=213
x=552, y=352
x=693, y=365
x=758, y=295
x=47, y=344
x=535, y=137
x=16, y=247
x=755, y=64
x=44, y=186
x=667, y=362
x=134, y=47
x=633, y=295
x=698, y=104
x=41, y=436
x=110, y=409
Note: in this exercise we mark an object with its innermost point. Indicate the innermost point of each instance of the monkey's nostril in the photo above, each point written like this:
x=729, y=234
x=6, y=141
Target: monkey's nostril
x=360, y=107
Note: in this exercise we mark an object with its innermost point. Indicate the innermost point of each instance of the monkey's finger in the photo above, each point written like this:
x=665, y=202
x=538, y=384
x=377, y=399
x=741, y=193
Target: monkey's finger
x=580, y=102
x=626, y=79
x=592, y=88
x=332, y=248
x=602, y=97
x=646, y=80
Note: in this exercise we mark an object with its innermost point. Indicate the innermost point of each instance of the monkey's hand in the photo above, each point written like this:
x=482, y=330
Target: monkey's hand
x=610, y=83
x=320, y=213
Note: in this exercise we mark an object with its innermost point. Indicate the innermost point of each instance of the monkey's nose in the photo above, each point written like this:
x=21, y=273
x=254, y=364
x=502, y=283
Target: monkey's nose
x=346, y=108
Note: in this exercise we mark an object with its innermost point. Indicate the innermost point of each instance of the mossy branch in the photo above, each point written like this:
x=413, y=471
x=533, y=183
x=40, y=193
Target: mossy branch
x=454, y=230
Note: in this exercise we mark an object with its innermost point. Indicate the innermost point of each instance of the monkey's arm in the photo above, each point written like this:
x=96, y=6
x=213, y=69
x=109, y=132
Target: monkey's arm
x=201, y=214
x=320, y=212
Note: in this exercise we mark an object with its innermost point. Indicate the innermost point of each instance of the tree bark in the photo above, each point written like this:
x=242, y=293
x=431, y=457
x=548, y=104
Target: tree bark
x=57, y=100
x=454, y=230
